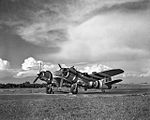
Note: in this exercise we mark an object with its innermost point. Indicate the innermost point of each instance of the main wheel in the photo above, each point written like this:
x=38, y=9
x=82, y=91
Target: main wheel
x=74, y=89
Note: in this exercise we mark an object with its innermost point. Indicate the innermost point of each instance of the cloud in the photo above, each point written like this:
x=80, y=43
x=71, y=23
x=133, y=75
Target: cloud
x=53, y=25
x=30, y=63
x=147, y=74
x=31, y=66
x=47, y=26
x=4, y=64
x=82, y=11
x=42, y=34
x=94, y=68
x=146, y=69
x=5, y=70
x=104, y=37
x=28, y=73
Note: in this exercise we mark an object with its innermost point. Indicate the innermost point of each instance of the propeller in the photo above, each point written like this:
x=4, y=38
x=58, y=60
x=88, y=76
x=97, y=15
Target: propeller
x=36, y=79
x=64, y=72
x=59, y=66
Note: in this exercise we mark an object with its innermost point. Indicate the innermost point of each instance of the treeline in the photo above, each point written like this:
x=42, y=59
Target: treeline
x=22, y=85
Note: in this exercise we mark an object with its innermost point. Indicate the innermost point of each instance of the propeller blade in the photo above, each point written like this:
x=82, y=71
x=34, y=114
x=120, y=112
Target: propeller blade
x=35, y=80
x=59, y=66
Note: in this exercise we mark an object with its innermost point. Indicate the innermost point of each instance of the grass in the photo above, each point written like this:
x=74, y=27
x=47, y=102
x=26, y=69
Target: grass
x=74, y=107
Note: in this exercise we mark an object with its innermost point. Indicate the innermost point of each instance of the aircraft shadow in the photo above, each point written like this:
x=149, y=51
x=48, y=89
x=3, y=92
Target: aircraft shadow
x=117, y=91
x=114, y=91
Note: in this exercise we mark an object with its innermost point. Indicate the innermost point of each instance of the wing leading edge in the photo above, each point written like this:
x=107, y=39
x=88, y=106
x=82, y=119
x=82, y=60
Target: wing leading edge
x=109, y=73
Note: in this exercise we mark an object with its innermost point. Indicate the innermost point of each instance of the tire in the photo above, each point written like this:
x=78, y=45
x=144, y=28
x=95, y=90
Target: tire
x=49, y=90
x=85, y=89
x=74, y=89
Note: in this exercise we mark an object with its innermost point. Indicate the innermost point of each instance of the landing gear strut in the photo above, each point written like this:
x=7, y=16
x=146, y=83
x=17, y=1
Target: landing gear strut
x=49, y=89
x=74, y=88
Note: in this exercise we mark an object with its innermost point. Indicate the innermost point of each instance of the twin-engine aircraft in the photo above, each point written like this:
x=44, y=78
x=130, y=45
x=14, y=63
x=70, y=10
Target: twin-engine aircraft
x=75, y=79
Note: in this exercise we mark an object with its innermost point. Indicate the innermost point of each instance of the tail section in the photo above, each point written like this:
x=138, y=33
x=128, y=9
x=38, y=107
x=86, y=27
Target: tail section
x=110, y=83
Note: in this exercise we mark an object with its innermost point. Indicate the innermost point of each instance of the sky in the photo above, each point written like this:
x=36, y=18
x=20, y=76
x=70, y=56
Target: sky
x=92, y=35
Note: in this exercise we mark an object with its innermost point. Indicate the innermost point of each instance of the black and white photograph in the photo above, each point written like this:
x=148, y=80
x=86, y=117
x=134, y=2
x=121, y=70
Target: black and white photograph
x=74, y=59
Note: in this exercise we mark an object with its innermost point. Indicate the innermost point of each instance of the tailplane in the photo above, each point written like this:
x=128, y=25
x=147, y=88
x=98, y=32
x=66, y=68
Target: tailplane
x=113, y=82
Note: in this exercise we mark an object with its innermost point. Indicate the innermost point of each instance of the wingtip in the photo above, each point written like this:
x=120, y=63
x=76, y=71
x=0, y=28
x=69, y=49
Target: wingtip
x=122, y=71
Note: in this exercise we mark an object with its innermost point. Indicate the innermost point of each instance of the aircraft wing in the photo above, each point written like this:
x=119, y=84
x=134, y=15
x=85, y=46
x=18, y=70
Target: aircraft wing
x=107, y=73
x=100, y=75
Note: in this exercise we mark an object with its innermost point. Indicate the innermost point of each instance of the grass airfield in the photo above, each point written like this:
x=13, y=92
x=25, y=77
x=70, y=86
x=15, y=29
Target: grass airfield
x=126, y=102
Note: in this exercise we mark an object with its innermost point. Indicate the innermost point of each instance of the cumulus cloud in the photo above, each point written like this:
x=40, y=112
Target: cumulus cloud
x=5, y=70
x=31, y=66
x=4, y=64
x=31, y=63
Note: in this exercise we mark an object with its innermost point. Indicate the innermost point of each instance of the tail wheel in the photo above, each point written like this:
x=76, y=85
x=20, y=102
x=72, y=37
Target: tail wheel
x=49, y=89
x=103, y=91
x=85, y=89
x=74, y=89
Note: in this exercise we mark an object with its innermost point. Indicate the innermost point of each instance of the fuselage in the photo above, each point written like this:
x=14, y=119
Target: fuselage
x=84, y=80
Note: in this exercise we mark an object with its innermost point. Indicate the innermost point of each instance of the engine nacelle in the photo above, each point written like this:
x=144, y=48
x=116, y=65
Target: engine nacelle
x=97, y=85
x=46, y=76
x=71, y=77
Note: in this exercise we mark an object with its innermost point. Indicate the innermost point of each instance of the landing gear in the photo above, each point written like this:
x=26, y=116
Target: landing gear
x=85, y=89
x=103, y=91
x=74, y=88
x=49, y=89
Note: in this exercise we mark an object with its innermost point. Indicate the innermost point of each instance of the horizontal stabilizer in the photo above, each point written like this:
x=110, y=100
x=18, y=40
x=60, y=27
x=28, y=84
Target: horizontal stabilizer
x=113, y=82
